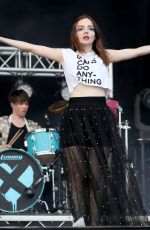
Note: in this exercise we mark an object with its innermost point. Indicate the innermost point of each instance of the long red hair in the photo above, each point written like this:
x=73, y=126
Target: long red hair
x=98, y=46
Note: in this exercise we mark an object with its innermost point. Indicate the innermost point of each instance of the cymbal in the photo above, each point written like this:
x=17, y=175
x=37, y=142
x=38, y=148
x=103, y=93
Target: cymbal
x=58, y=107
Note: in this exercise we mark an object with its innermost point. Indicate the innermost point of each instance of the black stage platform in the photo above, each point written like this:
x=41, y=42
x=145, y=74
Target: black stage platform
x=50, y=221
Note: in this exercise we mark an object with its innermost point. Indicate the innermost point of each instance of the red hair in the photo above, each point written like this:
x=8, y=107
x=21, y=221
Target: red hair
x=98, y=46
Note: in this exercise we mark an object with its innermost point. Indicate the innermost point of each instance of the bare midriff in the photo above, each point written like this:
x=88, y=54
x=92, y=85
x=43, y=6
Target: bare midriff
x=82, y=90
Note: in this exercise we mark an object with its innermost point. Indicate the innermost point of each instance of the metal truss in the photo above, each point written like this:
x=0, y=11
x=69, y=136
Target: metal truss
x=37, y=221
x=14, y=62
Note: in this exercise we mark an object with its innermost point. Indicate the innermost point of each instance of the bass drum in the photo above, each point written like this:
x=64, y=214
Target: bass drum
x=21, y=180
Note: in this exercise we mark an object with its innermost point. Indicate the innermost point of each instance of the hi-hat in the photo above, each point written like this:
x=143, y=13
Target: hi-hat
x=58, y=107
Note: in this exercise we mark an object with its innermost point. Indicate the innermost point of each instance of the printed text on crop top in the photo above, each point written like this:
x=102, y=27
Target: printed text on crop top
x=87, y=69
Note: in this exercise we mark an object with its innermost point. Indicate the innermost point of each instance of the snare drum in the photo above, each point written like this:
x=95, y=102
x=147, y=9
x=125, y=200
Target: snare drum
x=43, y=144
x=21, y=180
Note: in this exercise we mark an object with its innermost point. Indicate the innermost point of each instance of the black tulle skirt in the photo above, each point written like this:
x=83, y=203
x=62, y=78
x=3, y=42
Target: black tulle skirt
x=102, y=185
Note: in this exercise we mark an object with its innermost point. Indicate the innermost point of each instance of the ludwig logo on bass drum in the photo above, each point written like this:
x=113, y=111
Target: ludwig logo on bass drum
x=11, y=157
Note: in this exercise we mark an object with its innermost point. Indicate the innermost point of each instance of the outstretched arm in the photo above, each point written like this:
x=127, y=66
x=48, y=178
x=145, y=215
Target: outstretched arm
x=125, y=54
x=43, y=51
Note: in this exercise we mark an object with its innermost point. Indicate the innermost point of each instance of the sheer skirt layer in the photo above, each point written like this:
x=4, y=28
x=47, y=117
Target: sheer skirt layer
x=102, y=186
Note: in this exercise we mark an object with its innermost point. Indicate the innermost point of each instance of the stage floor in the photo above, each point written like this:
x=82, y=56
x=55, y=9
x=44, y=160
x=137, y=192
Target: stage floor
x=50, y=221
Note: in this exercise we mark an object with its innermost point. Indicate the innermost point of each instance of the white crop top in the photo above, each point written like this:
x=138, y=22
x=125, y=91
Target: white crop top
x=87, y=69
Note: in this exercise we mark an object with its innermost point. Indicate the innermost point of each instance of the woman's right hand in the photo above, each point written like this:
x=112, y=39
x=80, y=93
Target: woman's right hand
x=3, y=147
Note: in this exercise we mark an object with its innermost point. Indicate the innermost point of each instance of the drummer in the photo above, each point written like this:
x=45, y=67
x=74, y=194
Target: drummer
x=13, y=128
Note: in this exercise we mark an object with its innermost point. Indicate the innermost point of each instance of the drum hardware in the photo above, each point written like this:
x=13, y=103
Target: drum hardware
x=49, y=175
x=46, y=206
x=40, y=207
x=30, y=192
x=53, y=175
x=57, y=161
x=46, y=173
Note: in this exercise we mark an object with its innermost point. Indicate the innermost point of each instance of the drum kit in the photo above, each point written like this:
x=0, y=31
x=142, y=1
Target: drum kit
x=24, y=175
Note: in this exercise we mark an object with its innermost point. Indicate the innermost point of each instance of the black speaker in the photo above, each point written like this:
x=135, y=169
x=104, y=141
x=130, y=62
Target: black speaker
x=142, y=113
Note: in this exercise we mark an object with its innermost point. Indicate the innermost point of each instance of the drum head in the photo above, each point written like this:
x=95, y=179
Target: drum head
x=21, y=180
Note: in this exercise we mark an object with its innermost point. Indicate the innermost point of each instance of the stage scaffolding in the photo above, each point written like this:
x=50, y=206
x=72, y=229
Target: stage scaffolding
x=14, y=62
